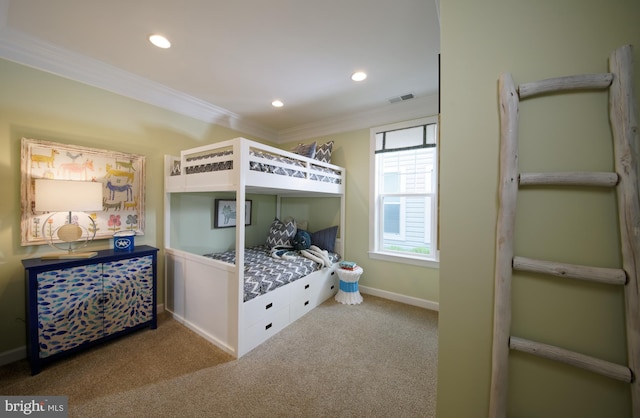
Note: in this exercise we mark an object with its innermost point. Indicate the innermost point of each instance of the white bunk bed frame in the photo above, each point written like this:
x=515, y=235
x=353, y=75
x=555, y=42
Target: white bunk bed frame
x=206, y=295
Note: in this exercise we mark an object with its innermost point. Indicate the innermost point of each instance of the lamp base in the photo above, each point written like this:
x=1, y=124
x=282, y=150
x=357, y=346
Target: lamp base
x=62, y=256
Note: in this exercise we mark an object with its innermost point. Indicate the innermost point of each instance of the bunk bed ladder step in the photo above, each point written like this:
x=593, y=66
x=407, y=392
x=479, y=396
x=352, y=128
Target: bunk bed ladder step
x=624, y=125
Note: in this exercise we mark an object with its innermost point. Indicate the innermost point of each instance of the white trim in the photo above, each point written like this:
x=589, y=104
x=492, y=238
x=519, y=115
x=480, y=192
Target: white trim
x=375, y=230
x=21, y=48
x=389, y=113
x=14, y=355
x=405, y=259
x=397, y=297
x=18, y=47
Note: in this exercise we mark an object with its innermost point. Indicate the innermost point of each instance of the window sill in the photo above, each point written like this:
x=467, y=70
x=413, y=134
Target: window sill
x=404, y=259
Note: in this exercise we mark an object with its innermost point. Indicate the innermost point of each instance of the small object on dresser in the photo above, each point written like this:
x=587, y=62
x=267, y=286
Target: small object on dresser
x=124, y=241
x=348, y=265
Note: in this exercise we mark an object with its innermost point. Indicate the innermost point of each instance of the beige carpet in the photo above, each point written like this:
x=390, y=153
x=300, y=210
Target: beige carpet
x=378, y=359
x=142, y=358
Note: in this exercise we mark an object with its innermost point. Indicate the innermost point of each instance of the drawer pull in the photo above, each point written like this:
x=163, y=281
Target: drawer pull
x=268, y=306
x=268, y=326
x=306, y=286
x=306, y=303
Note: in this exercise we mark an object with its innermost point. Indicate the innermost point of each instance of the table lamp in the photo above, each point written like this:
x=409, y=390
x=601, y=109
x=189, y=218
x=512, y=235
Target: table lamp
x=68, y=196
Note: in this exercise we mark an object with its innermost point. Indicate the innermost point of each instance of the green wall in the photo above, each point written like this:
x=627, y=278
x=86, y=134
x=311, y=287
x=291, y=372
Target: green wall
x=192, y=222
x=38, y=105
x=532, y=40
x=394, y=280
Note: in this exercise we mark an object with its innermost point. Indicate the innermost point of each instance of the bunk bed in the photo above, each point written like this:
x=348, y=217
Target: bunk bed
x=215, y=293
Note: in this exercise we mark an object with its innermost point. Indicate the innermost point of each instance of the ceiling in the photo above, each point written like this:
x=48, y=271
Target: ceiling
x=230, y=59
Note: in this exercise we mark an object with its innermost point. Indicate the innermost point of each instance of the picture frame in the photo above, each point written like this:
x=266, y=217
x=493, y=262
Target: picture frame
x=122, y=175
x=225, y=213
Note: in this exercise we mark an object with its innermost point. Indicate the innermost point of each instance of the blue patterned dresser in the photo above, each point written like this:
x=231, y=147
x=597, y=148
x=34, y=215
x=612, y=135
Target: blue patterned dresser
x=73, y=304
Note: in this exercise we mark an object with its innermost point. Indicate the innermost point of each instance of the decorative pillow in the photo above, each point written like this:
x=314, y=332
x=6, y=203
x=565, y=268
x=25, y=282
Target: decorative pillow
x=302, y=240
x=325, y=238
x=306, y=150
x=280, y=233
x=323, y=152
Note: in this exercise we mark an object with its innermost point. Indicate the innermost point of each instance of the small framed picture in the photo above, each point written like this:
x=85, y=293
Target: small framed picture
x=225, y=213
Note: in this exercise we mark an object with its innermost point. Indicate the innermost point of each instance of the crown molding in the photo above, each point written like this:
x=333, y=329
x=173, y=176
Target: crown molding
x=23, y=49
x=26, y=50
x=390, y=113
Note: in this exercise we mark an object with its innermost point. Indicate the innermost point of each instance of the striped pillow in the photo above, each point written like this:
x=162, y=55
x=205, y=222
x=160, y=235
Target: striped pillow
x=281, y=233
x=323, y=152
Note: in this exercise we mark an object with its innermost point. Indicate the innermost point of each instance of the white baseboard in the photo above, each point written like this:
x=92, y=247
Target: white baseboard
x=422, y=303
x=13, y=355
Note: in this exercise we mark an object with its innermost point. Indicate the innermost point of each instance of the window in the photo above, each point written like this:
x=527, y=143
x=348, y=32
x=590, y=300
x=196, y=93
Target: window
x=404, y=192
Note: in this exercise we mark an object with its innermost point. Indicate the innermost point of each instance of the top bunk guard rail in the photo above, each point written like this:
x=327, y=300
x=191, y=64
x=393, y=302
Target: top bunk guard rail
x=214, y=167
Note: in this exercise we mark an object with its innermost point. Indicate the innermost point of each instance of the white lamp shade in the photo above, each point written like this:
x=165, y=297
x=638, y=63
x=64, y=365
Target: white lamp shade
x=67, y=196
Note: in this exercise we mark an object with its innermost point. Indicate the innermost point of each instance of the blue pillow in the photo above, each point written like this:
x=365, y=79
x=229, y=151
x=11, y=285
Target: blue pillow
x=301, y=241
x=325, y=238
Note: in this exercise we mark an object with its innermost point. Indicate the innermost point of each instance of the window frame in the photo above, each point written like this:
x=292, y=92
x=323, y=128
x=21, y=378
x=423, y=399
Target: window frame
x=401, y=211
x=375, y=205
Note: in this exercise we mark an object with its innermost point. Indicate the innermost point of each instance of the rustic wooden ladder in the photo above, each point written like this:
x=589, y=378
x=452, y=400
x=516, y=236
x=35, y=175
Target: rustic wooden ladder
x=623, y=118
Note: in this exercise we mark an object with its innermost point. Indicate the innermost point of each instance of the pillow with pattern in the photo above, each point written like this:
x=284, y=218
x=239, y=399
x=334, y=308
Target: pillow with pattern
x=306, y=150
x=323, y=152
x=281, y=233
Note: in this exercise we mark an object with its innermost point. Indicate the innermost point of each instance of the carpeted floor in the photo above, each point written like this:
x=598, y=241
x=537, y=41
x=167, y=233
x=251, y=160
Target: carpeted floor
x=377, y=359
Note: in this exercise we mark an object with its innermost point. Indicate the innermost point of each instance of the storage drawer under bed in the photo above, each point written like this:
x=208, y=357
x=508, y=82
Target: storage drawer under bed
x=311, y=291
x=264, y=306
x=267, y=327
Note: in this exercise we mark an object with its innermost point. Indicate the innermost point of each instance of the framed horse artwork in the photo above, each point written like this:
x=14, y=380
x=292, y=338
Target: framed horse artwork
x=123, y=186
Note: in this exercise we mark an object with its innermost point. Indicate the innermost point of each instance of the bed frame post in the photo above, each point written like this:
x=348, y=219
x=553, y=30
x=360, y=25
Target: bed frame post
x=240, y=152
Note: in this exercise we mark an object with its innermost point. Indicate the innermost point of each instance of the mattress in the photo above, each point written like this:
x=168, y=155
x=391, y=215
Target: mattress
x=263, y=273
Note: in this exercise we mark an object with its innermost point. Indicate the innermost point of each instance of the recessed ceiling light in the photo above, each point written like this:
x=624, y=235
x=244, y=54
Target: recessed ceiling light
x=160, y=41
x=358, y=76
x=277, y=103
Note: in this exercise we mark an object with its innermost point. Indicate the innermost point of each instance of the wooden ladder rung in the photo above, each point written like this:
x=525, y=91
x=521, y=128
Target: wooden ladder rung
x=573, y=82
x=597, y=179
x=574, y=271
x=605, y=368
x=624, y=126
